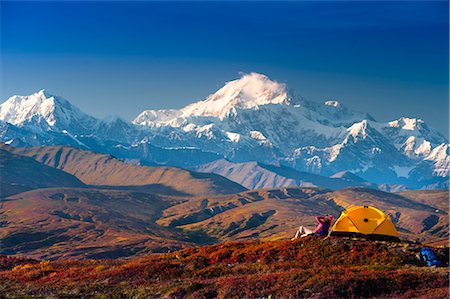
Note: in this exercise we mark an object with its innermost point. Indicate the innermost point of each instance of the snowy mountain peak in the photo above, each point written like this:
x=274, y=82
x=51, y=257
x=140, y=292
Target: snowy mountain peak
x=359, y=129
x=44, y=93
x=250, y=91
x=413, y=136
x=19, y=109
x=336, y=104
x=440, y=157
x=42, y=110
x=113, y=118
x=406, y=123
x=156, y=117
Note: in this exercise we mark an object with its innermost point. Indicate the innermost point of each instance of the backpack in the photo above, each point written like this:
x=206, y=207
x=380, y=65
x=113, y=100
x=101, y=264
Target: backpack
x=429, y=256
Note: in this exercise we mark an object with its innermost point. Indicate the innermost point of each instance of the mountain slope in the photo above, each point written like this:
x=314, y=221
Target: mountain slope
x=309, y=268
x=435, y=198
x=412, y=136
x=277, y=213
x=101, y=169
x=19, y=174
x=79, y=223
x=363, y=150
x=98, y=223
x=254, y=175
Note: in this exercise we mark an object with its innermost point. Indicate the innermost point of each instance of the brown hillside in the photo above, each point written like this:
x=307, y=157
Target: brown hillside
x=277, y=213
x=19, y=174
x=436, y=198
x=63, y=223
x=256, y=214
x=78, y=223
x=101, y=169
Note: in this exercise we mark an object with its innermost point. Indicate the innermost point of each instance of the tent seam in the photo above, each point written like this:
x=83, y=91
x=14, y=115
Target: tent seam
x=353, y=223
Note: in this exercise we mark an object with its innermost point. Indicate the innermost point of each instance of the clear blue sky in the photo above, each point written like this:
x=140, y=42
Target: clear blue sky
x=386, y=58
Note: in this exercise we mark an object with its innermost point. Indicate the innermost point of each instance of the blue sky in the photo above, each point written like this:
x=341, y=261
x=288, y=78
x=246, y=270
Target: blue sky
x=386, y=58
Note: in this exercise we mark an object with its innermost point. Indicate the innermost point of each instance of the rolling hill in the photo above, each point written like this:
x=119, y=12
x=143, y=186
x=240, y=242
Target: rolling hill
x=19, y=174
x=78, y=223
x=437, y=198
x=61, y=223
x=277, y=213
x=105, y=170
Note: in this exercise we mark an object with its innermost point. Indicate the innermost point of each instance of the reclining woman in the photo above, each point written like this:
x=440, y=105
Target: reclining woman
x=324, y=223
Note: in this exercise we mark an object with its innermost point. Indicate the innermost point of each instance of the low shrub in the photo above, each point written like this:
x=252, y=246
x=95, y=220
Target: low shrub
x=336, y=268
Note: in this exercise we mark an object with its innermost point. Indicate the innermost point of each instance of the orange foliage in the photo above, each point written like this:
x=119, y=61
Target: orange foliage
x=311, y=267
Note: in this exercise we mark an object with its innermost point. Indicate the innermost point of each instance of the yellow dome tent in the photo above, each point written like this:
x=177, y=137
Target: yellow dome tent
x=365, y=221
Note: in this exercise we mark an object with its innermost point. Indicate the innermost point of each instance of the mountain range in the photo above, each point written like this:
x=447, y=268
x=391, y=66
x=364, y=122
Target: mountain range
x=251, y=120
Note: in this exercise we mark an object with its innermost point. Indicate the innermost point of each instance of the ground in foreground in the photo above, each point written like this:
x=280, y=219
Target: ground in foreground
x=311, y=267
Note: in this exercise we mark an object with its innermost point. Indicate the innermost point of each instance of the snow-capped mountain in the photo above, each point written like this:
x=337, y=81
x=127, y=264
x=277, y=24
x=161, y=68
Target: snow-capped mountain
x=252, y=118
x=362, y=150
x=258, y=111
x=43, y=111
x=412, y=136
x=46, y=119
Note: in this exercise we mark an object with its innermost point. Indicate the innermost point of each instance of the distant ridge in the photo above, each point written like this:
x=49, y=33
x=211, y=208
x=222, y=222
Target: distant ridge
x=19, y=174
x=105, y=170
x=254, y=175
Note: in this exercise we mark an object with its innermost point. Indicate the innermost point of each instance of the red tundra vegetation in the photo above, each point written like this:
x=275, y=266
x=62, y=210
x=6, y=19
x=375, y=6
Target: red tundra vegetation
x=310, y=267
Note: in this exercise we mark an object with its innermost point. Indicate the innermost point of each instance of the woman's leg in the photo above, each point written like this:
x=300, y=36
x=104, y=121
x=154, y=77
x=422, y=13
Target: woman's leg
x=306, y=232
x=302, y=232
x=298, y=233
